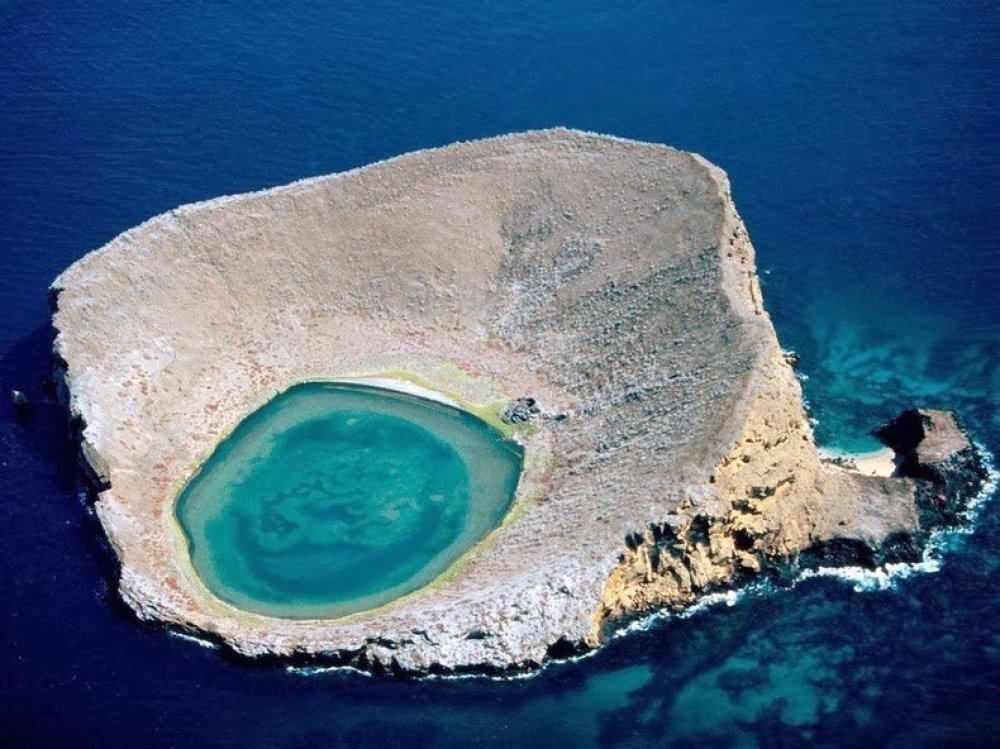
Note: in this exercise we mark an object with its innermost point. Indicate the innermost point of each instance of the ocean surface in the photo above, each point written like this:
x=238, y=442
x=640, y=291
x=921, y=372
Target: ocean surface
x=862, y=144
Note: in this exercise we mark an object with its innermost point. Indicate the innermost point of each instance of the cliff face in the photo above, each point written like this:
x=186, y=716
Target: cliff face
x=773, y=505
x=776, y=508
x=599, y=293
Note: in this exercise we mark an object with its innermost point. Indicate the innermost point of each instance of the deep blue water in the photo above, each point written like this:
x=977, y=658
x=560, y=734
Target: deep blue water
x=862, y=143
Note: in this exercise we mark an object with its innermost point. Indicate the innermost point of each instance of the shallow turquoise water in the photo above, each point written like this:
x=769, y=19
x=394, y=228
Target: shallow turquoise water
x=335, y=498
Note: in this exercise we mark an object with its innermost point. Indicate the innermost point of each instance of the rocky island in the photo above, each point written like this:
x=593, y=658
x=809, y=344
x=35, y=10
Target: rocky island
x=596, y=299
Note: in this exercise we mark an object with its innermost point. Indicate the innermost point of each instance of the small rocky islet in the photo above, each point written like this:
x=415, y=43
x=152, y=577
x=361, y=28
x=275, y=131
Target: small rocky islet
x=596, y=298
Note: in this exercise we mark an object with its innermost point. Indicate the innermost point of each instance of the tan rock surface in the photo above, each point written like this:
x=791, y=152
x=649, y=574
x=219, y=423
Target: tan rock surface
x=612, y=281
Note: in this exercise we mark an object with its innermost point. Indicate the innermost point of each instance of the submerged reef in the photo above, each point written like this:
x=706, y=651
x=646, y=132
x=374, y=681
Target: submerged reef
x=595, y=298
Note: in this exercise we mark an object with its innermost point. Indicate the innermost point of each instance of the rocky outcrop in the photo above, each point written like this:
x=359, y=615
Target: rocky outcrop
x=701, y=551
x=520, y=411
x=667, y=453
x=933, y=450
x=762, y=513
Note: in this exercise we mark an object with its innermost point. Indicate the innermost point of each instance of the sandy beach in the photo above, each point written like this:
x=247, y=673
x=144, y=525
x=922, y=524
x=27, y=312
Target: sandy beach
x=876, y=463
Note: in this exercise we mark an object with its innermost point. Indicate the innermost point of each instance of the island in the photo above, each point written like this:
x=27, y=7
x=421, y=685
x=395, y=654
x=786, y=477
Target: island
x=593, y=299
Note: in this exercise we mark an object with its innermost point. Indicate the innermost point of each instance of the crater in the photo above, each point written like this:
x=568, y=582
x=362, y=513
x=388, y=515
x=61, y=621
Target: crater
x=335, y=498
x=596, y=296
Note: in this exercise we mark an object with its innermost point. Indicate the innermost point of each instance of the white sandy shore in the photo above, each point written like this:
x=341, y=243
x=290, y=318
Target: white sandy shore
x=402, y=386
x=877, y=463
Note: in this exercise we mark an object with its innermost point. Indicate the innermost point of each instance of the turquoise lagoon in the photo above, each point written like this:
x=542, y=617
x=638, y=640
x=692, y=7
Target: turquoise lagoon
x=334, y=498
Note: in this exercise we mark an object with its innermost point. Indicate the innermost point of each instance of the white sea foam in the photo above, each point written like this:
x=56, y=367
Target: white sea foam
x=865, y=580
x=193, y=638
x=520, y=676
x=728, y=598
x=324, y=670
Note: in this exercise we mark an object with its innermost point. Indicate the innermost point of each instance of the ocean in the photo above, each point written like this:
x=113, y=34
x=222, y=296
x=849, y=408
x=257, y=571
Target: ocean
x=862, y=144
